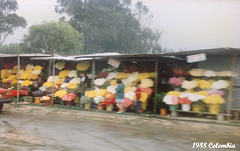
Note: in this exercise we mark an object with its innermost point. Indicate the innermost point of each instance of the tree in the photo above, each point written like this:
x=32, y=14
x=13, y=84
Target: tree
x=53, y=37
x=111, y=25
x=12, y=48
x=9, y=20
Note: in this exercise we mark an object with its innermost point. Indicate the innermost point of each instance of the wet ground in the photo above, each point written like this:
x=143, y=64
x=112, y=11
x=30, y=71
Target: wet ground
x=47, y=129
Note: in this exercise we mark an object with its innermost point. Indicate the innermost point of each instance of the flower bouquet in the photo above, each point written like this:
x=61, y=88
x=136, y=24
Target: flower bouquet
x=214, y=102
x=86, y=101
x=68, y=99
x=172, y=101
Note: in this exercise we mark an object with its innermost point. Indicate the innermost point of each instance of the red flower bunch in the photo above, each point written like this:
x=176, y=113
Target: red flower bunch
x=21, y=92
x=102, y=75
x=110, y=101
x=184, y=100
x=180, y=71
x=9, y=65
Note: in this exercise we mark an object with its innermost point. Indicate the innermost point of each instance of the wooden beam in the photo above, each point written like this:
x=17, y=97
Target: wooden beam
x=155, y=85
x=93, y=72
x=230, y=94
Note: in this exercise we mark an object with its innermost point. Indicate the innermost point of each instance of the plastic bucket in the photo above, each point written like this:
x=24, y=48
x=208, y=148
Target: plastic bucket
x=214, y=108
x=186, y=107
x=37, y=100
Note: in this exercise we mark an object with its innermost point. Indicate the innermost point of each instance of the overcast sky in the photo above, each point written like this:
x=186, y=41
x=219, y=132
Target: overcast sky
x=186, y=24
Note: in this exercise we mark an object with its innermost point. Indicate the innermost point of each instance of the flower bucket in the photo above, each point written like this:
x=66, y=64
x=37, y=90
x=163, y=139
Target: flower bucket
x=214, y=108
x=100, y=106
x=163, y=112
x=109, y=108
x=87, y=106
x=61, y=102
x=172, y=107
x=20, y=99
x=37, y=100
x=48, y=102
x=69, y=103
x=186, y=107
x=197, y=108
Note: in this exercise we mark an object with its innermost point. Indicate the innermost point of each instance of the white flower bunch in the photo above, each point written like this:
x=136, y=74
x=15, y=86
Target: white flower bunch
x=98, y=99
x=189, y=84
x=210, y=73
x=126, y=82
x=111, y=89
x=53, y=78
x=227, y=74
x=64, y=85
x=112, y=75
x=99, y=81
x=133, y=76
x=196, y=72
x=75, y=80
x=146, y=83
x=220, y=84
x=29, y=67
x=60, y=65
x=36, y=71
x=129, y=95
x=43, y=89
x=192, y=97
x=72, y=74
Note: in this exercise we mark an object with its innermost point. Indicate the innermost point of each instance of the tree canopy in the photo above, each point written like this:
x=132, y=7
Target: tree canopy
x=53, y=37
x=9, y=20
x=111, y=25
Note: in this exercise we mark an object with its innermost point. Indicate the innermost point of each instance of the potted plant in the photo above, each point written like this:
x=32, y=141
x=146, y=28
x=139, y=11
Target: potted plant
x=98, y=100
x=160, y=104
x=109, y=101
x=86, y=101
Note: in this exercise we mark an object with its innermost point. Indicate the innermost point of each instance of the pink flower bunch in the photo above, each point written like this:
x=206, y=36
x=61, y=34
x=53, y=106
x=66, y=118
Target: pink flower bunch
x=217, y=92
x=175, y=81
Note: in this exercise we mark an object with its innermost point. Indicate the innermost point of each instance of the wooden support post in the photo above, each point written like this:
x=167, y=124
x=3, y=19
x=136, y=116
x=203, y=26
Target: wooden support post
x=53, y=74
x=155, y=85
x=230, y=94
x=93, y=72
x=18, y=75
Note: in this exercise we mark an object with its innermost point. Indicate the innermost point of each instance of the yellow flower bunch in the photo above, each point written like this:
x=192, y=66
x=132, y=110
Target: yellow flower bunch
x=91, y=94
x=60, y=93
x=72, y=86
x=26, y=83
x=152, y=74
x=143, y=76
x=63, y=74
x=48, y=84
x=60, y=81
x=129, y=89
x=174, y=93
x=213, y=99
x=14, y=81
x=3, y=73
x=33, y=76
x=11, y=77
x=14, y=71
x=83, y=66
x=101, y=92
x=203, y=84
x=122, y=75
x=144, y=97
x=146, y=83
x=204, y=93
x=26, y=74
x=197, y=72
x=37, y=67
x=113, y=83
x=5, y=80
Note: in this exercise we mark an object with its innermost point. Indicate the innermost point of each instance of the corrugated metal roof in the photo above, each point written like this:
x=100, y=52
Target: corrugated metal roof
x=26, y=55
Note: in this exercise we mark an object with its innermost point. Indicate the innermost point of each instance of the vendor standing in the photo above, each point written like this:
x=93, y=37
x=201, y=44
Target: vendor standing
x=84, y=83
x=120, y=95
